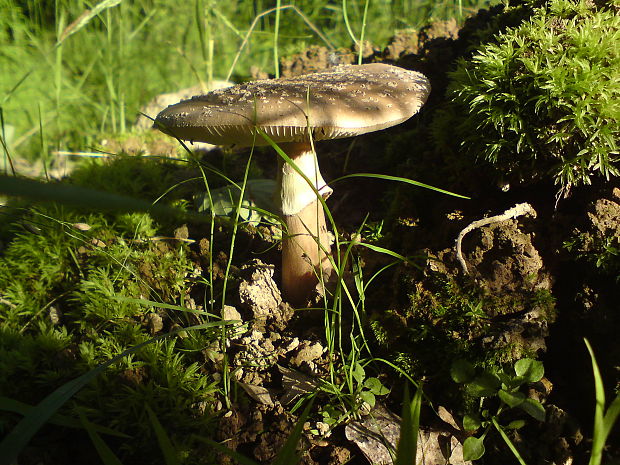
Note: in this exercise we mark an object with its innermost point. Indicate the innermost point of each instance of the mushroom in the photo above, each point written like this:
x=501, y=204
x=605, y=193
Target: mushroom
x=293, y=112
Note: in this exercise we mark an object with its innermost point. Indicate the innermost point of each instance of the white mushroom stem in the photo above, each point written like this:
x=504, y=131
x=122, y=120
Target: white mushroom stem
x=305, y=242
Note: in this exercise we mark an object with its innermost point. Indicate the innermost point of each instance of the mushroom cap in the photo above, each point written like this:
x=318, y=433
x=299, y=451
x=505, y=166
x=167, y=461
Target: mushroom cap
x=340, y=102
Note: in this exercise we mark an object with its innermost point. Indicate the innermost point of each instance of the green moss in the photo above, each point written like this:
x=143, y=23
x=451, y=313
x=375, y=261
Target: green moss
x=65, y=280
x=134, y=176
x=542, y=98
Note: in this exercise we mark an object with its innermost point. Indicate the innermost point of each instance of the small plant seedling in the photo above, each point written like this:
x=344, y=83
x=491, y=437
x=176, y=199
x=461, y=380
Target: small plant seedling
x=348, y=399
x=367, y=388
x=373, y=231
x=503, y=390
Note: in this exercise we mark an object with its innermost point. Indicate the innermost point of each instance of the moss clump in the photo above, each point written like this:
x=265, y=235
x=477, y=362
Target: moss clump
x=542, y=98
x=70, y=285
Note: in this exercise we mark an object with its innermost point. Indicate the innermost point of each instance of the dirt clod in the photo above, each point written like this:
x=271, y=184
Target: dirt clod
x=504, y=260
x=260, y=296
x=307, y=354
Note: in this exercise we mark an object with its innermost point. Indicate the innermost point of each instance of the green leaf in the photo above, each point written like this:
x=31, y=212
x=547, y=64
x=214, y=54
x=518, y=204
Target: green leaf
x=473, y=448
x=358, y=373
x=531, y=370
x=471, y=422
x=462, y=371
x=510, y=381
x=330, y=414
x=170, y=454
x=368, y=397
x=515, y=424
x=513, y=399
x=375, y=386
x=257, y=196
x=533, y=408
x=407, y=449
x=516, y=381
x=485, y=385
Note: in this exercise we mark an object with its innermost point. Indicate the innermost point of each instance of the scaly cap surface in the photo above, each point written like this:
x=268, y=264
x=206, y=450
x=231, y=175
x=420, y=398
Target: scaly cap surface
x=340, y=102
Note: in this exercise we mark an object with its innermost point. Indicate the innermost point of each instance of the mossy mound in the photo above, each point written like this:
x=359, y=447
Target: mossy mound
x=78, y=289
x=541, y=99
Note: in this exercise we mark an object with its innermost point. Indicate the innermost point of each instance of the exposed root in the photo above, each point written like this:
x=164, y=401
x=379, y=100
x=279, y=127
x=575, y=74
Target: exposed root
x=518, y=210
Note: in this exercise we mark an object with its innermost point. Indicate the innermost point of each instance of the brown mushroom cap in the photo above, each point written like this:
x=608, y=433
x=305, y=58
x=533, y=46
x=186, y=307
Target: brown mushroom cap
x=340, y=102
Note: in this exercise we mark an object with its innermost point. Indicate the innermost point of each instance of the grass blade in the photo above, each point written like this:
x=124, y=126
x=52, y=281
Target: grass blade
x=86, y=17
x=276, y=32
x=598, y=441
x=387, y=177
x=383, y=250
x=407, y=449
x=611, y=416
x=360, y=57
x=603, y=422
x=15, y=406
x=288, y=454
x=105, y=453
x=508, y=442
x=170, y=455
x=84, y=197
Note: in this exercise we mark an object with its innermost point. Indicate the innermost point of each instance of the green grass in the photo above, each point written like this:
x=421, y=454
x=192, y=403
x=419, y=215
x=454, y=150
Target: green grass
x=70, y=74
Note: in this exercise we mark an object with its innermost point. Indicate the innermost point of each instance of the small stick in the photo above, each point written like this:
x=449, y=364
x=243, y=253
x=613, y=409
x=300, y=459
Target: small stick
x=518, y=210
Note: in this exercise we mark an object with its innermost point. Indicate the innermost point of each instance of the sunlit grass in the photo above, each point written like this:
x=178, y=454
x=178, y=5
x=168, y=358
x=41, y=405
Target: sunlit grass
x=74, y=73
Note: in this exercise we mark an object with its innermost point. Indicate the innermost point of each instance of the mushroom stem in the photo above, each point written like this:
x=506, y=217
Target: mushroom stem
x=305, y=243
x=305, y=249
